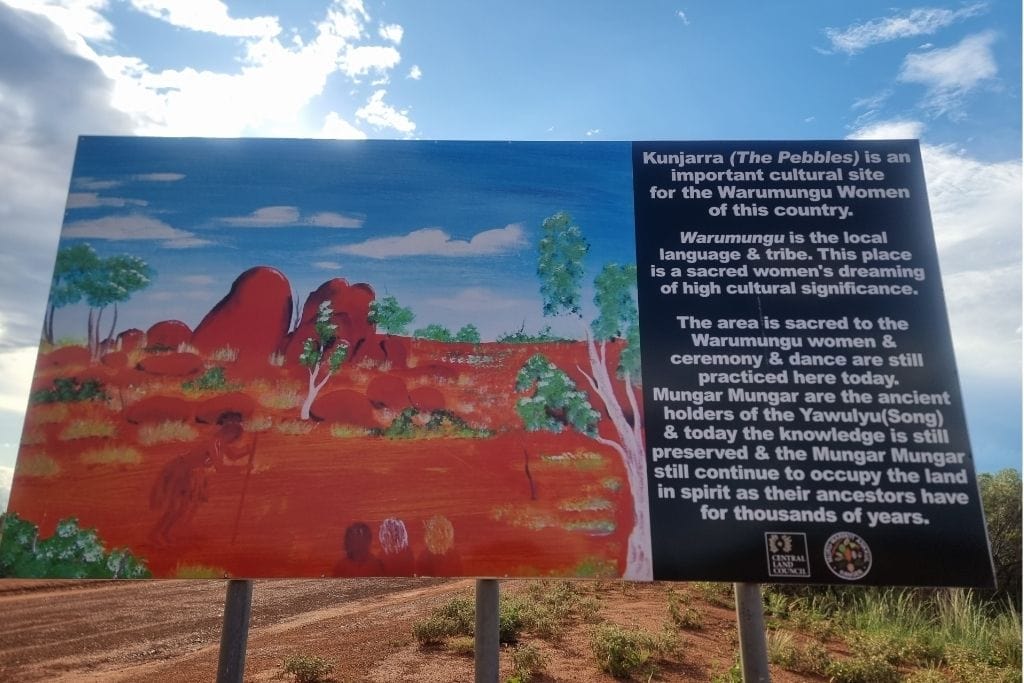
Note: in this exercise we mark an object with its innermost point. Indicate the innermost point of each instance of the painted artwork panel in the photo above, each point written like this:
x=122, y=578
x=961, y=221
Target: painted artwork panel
x=306, y=358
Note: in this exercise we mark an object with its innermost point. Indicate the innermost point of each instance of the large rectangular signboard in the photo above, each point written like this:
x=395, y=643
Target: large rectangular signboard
x=724, y=361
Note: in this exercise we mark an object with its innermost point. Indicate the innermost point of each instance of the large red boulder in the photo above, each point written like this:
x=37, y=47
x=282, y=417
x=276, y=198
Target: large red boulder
x=351, y=307
x=388, y=391
x=114, y=359
x=158, y=409
x=252, y=319
x=168, y=334
x=131, y=339
x=172, y=364
x=346, y=407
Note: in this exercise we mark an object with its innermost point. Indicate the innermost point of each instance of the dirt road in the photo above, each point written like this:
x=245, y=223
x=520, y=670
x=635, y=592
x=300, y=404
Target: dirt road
x=170, y=630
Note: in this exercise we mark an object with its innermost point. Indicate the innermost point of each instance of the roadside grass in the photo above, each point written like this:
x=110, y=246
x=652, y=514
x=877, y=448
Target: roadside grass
x=898, y=634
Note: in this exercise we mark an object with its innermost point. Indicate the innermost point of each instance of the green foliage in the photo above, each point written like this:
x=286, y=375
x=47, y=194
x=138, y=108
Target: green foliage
x=389, y=316
x=1001, y=499
x=626, y=653
x=555, y=402
x=70, y=553
x=734, y=674
x=615, y=298
x=212, y=379
x=784, y=651
x=439, y=423
x=560, y=264
x=520, y=336
x=70, y=390
x=307, y=668
x=434, y=332
x=527, y=662
x=455, y=618
x=682, y=615
x=468, y=334
x=862, y=669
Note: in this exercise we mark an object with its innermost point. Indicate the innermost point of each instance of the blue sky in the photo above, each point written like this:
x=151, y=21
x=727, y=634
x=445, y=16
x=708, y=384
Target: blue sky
x=948, y=73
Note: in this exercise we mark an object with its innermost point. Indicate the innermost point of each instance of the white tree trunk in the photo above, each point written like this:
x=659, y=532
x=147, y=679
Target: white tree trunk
x=630, y=447
x=312, y=391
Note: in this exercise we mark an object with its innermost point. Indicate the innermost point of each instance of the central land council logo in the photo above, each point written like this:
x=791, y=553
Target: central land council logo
x=787, y=554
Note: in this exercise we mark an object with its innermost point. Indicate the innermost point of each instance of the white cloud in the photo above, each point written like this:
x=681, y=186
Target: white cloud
x=266, y=217
x=950, y=73
x=78, y=19
x=415, y=73
x=976, y=212
x=338, y=128
x=185, y=243
x=91, y=200
x=682, y=16
x=277, y=79
x=592, y=132
x=890, y=130
x=359, y=61
x=16, y=368
x=6, y=479
x=392, y=32
x=159, y=177
x=916, y=22
x=282, y=216
x=380, y=115
x=330, y=219
x=209, y=16
x=436, y=242
x=130, y=227
x=327, y=265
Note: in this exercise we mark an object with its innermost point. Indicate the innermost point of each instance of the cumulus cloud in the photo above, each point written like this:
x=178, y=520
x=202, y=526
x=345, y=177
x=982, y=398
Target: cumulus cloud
x=159, y=177
x=436, y=242
x=916, y=22
x=951, y=73
x=284, y=216
x=381, y=115
x=392, y=32
x=327, y=265
x=49, y=94
x=682, y=17
x=415, y=73
x=209, y=16
x=337, y=128
x=16, y=367
x=976, y=209
x=896, y=129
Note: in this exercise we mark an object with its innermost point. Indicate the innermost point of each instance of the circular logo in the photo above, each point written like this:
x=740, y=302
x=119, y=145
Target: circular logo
x=847, y=555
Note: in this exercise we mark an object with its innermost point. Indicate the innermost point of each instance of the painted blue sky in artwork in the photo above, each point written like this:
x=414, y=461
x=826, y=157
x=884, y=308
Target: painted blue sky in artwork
x=448, y=228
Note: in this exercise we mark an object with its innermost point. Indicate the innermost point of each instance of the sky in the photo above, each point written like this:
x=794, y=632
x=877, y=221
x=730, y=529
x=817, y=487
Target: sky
x=948, y=73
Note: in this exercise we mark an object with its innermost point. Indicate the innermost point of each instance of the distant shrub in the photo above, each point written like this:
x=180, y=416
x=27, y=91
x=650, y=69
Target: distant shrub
x=307, y=668
x=520, y=336
x=166, y=431
x=434, y=332
x=409, y=424
x=624, y=652
x=454, y=618
x=864, y=668
x=70, y=390
x=527, y=662
x=212, y=379
x=112, y=455
x=87, y=429
x=682, y=615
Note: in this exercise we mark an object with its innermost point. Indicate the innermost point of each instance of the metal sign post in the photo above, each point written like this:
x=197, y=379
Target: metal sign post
x=235, y=632
x=485, y=635
x=753, y=641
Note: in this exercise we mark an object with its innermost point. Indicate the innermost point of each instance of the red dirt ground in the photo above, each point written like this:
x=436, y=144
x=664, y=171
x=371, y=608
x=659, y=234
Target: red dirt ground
x=169, y=631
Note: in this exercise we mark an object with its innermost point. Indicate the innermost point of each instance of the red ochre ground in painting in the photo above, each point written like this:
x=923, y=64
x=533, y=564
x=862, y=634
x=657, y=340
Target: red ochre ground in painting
x=518, y=503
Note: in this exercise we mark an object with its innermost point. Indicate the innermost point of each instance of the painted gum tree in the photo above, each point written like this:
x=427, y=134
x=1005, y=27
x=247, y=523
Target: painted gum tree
x=317, y=355
x=556, y=403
